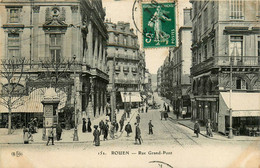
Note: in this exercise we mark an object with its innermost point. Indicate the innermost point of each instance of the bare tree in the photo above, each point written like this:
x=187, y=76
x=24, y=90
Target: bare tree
x=11, y=73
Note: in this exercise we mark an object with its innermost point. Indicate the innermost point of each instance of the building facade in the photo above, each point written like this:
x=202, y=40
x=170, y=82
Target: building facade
x=64, y=46
x=124, y=59
x=225, y=56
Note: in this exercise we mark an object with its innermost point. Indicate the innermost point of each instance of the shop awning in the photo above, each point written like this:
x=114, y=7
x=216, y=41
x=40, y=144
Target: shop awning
x=134, y=96
x=242, y=104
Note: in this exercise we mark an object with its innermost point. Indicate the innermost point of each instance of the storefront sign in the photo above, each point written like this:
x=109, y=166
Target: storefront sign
x=206, y=99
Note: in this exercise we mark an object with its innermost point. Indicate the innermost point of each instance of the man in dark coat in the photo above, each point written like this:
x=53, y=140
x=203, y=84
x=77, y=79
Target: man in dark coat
x=196, y=128
x=137, y=133
x=89, y=125
x=96, y=135
x=121, y=122
x=128, y=128
x=146, y=108
x=150, y=127
x=84, y=128
x=165, y=115
x=138, y=118
x=106, y=128
x=101, y=126
x=58, y=132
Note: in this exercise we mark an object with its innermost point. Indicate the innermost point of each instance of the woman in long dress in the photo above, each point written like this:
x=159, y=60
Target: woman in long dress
x=89, y=125
x=84, y=128
x=96, y=135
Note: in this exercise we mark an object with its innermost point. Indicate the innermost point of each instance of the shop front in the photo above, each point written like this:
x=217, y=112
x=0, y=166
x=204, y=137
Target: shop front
x=245, y=113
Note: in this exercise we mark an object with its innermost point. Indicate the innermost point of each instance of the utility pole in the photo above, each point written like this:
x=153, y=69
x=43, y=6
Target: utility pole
x=230, y=135
x=75, y=135
x=113, y=96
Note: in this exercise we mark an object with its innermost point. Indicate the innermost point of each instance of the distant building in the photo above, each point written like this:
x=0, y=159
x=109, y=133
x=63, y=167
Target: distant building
x=124, y=59
x=48, y=34
x=159, y=80
x=226, y=36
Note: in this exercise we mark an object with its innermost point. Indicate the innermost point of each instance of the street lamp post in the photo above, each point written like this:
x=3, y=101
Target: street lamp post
x=230, y=135
x=130, y=101
x=75, y=135
x=125, y=103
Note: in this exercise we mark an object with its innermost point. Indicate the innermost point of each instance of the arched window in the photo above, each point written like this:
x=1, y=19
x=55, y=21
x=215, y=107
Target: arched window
x=241, y=84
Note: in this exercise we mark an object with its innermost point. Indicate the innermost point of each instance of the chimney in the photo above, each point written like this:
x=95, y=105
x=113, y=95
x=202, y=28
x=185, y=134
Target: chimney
x=186, y=15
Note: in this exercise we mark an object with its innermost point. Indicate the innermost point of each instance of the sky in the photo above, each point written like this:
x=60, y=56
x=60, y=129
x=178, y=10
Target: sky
x=121, y=10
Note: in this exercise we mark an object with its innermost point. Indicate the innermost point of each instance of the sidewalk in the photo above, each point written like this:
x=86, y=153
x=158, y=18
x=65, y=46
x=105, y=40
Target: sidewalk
x=67, y=135
x=216, y=136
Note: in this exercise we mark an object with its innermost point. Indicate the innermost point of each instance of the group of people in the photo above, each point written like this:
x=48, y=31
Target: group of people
x=29, y=130
x=164, y=114
x=208, y=128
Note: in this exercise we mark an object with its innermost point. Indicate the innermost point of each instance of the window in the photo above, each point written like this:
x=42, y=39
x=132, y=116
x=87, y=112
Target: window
x=205, y=19
x=200, y=26
x=13, y=14
x=212, y=11
x=205, y=51
x=237, y=9
x=236, y=46
x=13, y=45
x=258, y=48
x=125, y=41
x=55, y=47
x=213, y=47
x=116, y=39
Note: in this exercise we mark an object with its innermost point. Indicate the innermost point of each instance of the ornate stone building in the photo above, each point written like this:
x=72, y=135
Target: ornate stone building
x=124, y=59
x=64, y=45
x=226, y=37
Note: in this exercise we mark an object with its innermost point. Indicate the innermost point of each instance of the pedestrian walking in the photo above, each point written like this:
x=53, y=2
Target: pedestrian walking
x=101, y=126
x=117, y=107
x=164, y=105
x=25, y=135
x=168, y=108
x=196, y=128
x=121, y=123
x=96, y=135
x=209, y=128
x=58, y=132
x=146, y=108
x=128, y=129
x=50, y=136
x=165, y=115
x=84, y=128
x=106, y=128
x=89, y=125
x=162, y=114
x=138, y=118
x=137, y=134
x=150, y=127
x=142, y=109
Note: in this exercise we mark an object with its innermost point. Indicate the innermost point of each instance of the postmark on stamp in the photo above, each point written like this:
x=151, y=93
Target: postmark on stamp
x=158, y=25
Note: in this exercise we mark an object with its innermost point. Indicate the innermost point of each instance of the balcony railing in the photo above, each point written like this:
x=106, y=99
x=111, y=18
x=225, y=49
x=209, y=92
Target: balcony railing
x=218, y=61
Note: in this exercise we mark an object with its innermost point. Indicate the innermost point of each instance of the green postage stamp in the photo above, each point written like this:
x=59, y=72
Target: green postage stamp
x=158, y=25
